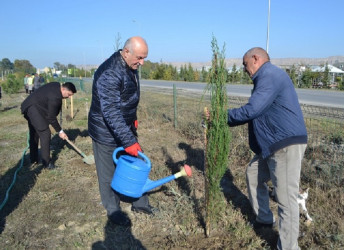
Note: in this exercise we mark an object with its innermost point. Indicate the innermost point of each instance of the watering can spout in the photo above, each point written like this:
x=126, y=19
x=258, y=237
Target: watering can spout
x=186, y=171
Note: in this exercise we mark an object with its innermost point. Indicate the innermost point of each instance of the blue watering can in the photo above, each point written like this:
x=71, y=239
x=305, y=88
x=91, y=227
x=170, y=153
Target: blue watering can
x=131, y=174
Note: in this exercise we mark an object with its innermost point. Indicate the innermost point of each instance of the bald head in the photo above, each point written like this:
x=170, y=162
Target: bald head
x=135, y=50
x=134, y=43
x=259, y=52
x=253, y=59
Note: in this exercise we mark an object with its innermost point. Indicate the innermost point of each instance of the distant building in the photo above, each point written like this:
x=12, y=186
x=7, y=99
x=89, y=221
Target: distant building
x=332, y=70
x=45, y=70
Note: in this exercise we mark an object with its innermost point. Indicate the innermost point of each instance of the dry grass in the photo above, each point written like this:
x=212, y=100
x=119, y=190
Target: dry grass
x=60, y=209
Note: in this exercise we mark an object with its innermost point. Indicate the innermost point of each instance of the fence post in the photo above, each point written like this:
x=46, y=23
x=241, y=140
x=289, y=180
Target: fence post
x=175, y=105
x=71, y=107
x=81, y=82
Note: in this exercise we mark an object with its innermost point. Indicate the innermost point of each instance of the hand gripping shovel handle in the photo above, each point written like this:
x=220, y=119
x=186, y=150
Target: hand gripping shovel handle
x=76, y=148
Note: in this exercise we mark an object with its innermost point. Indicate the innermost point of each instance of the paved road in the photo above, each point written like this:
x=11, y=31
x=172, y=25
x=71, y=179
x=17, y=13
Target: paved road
x=326, y=98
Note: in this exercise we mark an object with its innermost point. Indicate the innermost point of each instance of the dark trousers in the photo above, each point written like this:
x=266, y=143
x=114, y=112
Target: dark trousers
x=105, y=167
x=39, y=132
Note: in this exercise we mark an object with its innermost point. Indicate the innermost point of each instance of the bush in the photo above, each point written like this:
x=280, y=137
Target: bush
x=12, y=85
x=341, y=85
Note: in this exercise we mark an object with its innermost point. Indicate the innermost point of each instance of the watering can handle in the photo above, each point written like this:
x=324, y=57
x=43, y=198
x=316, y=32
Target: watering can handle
x=114, y=156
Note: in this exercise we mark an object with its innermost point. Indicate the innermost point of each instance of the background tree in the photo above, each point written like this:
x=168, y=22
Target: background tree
x=234, y=75
x=158, y=73
x=70, y=66
x=183, y=73
x=307, y=78
x=167, y=74
x=204, y=75
x=325, y=76
x=147, y=68
x=61, y=67
x=190, y=76
x=57, y=66
x=118, y=42
x=24, y=66
x=196, y=76
x=341, y=83
x=175, y=75
x=6, y=66
x=217, y=139
x=12, y=84
x=293, y=75
x=244, y=78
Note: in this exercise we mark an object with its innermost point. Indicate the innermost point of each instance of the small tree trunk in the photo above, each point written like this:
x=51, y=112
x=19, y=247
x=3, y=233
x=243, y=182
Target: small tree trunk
x=206, y=182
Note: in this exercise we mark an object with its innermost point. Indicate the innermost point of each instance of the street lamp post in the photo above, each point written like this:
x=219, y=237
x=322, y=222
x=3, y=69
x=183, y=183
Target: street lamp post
x=268, y=30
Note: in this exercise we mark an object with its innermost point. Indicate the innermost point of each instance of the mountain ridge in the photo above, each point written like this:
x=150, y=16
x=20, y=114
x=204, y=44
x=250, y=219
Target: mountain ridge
x=238, y=62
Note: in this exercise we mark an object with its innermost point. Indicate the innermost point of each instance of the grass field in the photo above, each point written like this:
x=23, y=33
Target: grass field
x=61, y=209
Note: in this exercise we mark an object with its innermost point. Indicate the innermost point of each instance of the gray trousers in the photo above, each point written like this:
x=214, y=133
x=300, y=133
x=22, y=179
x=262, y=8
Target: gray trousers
x=105, y=167
x=283, y=169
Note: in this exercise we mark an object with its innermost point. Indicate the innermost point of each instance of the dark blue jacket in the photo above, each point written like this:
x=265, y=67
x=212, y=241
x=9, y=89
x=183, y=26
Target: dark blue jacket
x=115, y=97
x=273, y=112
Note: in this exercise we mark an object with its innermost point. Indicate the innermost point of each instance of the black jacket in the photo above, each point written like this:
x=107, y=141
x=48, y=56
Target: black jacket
x=115, y=97
x=47, y=101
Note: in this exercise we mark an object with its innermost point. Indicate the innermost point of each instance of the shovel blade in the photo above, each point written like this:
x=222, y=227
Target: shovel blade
x=89, y=159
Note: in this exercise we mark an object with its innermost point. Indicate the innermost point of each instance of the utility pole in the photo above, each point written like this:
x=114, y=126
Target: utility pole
x=268, y=30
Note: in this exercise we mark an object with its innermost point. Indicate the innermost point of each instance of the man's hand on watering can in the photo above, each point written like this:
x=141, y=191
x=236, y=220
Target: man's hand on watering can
x=133, y=149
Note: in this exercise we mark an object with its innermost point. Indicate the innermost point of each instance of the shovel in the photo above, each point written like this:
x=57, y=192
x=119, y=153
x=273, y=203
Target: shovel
x=87, y=159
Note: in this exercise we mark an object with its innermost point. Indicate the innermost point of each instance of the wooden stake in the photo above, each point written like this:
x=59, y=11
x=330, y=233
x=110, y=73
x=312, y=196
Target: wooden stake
x=86, y=104
x=206, y=183
x=71, y=107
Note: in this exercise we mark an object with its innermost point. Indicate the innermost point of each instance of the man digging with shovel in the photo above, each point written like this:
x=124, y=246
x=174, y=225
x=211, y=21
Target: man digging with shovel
x=40, y=110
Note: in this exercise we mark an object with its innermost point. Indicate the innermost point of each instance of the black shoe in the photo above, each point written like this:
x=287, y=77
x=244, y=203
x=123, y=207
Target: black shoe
x=259, y=225
x=120, y=218
x=51, y=166
x=146, y=210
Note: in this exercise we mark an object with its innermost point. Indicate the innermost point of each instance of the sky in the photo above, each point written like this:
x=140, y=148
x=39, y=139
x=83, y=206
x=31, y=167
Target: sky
x=84, y=32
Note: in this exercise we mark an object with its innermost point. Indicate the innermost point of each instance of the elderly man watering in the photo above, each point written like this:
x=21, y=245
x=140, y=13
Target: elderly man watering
x=113, y=122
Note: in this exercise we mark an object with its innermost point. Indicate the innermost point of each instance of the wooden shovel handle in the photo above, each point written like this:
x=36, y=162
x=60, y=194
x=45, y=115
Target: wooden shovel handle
x=75, y=147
